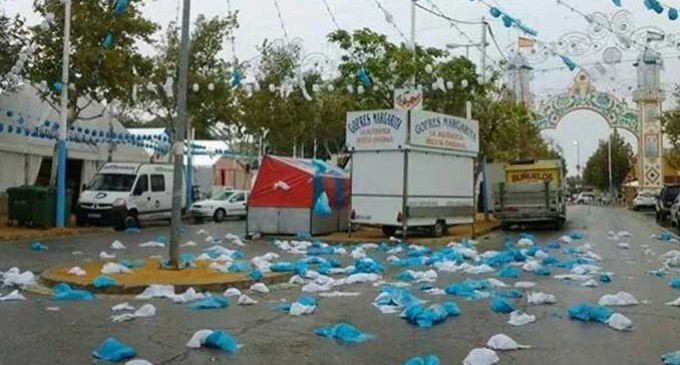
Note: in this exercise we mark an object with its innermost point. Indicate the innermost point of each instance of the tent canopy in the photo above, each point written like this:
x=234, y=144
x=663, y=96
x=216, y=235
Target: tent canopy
x=284, y=182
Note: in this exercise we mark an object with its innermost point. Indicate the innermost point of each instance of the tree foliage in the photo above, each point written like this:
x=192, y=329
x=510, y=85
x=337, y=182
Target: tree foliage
x=286, y=119
x=13, y=38
x=670, y=121
x=98, y=73
x=205, y=107
x=596, y=172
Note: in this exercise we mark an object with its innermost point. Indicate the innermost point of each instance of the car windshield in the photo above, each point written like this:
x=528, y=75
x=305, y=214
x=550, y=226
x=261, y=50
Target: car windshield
x=112, y=182
x=224, y=196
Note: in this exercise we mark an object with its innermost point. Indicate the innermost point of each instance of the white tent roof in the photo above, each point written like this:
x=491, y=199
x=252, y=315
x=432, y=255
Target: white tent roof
x=25, y=108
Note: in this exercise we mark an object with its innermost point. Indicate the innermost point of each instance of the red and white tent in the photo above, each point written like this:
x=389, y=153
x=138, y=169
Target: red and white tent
x=286, y=192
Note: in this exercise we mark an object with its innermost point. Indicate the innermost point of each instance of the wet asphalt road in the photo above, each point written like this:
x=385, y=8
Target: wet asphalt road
x=29, y=334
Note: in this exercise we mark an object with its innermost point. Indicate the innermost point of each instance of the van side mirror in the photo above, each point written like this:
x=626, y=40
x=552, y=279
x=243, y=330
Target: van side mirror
x=84, y=187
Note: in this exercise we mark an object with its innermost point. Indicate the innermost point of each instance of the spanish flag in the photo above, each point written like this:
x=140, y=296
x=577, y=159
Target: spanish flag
x=524, y=42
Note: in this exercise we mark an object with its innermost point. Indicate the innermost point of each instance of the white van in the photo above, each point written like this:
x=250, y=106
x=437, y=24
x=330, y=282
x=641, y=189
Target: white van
x=124, y=194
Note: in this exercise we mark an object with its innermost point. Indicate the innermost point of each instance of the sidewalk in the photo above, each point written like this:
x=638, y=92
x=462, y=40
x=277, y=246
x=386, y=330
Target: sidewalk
x=8, y=234
x=199, y=277
x=456, y=233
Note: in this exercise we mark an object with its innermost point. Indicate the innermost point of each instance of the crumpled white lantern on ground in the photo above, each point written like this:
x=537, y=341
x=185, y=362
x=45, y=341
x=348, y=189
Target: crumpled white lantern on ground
x=518, y=318
x=619, y=299
x=481, y=356
x=619, y=322
x=504, y=343
x=541, y=298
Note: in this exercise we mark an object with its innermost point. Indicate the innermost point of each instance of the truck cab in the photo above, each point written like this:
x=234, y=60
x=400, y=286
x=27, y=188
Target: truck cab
x=124, y=194
x=532, y=192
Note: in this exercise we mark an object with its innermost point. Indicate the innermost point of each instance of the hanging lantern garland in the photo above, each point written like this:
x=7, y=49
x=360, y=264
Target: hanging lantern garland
x=118, y=11
x=508, y=20
x=659, y=8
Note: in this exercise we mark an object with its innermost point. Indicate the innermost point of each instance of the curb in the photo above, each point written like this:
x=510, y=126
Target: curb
x=48, y=279
x=46, y=235
x=426, y=241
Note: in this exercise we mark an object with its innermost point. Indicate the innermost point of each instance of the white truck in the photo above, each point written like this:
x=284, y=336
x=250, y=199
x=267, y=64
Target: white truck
x=411, y=170
x=531, y=192
x=124, y=194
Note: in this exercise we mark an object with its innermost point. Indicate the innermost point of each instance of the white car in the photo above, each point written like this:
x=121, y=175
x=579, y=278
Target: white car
x=585, y=198
x=231, y=203
x=645, y=199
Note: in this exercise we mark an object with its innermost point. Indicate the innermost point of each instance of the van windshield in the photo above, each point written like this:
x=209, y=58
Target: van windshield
x=112, y=182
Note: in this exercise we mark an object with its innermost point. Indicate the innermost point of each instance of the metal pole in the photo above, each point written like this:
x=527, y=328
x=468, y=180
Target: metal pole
x=190, y=166
x=578, y=164
x=63, y=126
x=413, y=40
x=180, y=135
x=611, y=185
x=484, y=29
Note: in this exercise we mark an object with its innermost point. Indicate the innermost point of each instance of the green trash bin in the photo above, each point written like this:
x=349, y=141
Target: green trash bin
x=18, y=205
x=35, y=205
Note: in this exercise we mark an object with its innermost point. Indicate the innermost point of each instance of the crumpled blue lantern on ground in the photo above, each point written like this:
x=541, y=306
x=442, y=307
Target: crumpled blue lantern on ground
x=344, y=332
x=104, y=281
x=427, y=360
x=223, y=341
x=586, y=312
x=64, y=291
x=500, y=305
x=423, y=317
x=112, y=350
x=38, y=246
x=211, y=302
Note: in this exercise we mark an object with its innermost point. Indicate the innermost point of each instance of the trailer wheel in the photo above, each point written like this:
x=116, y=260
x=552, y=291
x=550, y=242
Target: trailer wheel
x=439, y=229
x=389, y=231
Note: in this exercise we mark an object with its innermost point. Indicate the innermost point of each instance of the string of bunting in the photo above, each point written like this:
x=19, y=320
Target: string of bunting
x=513, y=22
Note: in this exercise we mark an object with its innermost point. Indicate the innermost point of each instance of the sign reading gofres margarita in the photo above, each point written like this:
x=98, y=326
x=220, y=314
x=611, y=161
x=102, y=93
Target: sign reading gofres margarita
x=443, y=131
x=376, y=129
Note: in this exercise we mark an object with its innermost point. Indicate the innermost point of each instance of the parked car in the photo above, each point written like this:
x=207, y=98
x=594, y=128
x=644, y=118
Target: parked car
x=585, y=198
x=231, y=203
x=644, y=200
x=665, y=202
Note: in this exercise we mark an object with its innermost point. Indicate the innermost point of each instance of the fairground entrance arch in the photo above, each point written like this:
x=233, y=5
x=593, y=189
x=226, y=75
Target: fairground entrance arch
x=643, y=121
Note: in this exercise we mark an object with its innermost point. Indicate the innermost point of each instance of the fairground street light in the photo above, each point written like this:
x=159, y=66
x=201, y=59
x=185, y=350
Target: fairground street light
x=63, y=120
x=179, y=137
x=578, y=163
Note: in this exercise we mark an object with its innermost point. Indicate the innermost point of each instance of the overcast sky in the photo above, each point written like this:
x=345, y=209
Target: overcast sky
x=309, y=20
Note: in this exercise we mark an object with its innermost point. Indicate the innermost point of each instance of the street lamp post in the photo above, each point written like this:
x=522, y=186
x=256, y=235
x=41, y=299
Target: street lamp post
x=578, y=165
x=179, y=137
x=61, y=140
x=609, y=163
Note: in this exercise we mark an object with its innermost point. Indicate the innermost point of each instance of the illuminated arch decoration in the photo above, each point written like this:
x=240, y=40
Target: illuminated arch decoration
x=583, y=96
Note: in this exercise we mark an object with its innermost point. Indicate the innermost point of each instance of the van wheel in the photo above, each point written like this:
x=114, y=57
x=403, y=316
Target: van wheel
x=439, y=229
x=132, y=221
x=219, y=215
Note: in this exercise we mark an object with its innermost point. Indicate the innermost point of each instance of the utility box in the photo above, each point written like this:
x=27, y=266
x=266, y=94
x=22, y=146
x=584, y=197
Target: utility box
x=411, y=170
